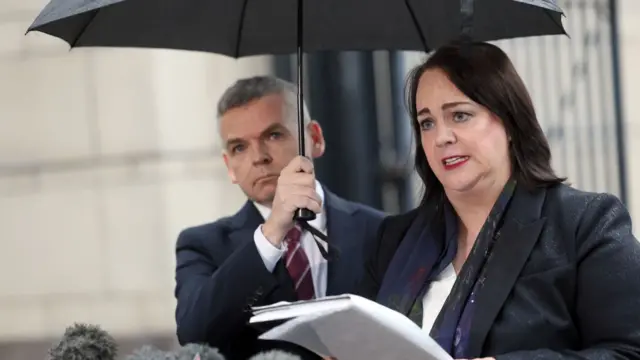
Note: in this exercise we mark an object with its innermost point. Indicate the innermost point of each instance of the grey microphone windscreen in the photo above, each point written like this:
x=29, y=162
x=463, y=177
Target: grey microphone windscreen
x=275, y=355
x=150, y=353
x=198, y=352
x=84, y=342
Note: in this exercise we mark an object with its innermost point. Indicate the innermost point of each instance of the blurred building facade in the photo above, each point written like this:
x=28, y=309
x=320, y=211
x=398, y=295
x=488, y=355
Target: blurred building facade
x=105, y=155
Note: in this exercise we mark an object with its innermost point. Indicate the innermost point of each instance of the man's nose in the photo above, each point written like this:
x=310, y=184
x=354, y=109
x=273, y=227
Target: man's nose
x=260, y=155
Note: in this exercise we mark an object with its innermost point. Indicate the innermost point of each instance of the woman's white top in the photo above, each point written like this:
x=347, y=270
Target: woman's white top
x=436, y=295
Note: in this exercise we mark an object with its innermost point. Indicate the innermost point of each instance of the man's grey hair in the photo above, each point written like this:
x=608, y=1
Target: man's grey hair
x=246, y=90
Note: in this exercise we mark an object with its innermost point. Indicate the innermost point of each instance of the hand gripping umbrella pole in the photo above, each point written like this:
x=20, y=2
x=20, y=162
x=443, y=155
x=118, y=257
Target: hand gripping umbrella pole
x=301, y=214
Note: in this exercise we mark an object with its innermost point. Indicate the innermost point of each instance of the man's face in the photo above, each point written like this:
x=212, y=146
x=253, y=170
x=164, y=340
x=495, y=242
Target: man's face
x=259, y=142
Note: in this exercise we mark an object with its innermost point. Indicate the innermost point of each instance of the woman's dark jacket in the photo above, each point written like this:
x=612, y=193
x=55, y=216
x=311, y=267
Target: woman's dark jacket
x=563, y=283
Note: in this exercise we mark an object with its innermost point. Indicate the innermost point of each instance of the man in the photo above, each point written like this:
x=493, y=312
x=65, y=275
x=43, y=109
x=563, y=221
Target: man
x=259, y=256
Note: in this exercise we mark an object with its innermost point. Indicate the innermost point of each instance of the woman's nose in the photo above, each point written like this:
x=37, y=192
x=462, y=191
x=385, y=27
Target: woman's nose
x=444, y=136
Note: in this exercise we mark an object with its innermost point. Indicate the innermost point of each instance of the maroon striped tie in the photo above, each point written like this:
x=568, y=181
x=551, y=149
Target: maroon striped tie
x=298, y=265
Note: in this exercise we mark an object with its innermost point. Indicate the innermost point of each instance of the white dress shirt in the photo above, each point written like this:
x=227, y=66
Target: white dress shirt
x=271, y=254
x=436, y=295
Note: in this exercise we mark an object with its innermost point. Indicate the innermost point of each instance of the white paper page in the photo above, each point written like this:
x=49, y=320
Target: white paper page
x=300, y=331
x=301, y=302
x=285, y=310
x=363, y=331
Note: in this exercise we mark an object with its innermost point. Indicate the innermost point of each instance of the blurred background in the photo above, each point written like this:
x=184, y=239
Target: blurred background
x=106, y=154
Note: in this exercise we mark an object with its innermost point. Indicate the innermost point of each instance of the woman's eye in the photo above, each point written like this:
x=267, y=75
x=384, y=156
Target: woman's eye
x=426, y=124
x=460, y=116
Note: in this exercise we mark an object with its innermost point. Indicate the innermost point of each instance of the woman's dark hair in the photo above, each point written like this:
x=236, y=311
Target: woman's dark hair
x=485, y=74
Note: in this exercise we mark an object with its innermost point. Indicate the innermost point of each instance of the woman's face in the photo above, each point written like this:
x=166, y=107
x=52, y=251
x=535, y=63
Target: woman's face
x=465, y=144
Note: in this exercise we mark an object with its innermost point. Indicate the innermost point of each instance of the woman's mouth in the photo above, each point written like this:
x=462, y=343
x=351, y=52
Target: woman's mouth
x=453, y=162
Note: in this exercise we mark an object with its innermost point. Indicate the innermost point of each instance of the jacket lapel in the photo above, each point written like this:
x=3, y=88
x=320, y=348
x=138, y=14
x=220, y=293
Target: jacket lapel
x=514, y=243
x=242, y=226
x=244, y=223
x=341, y=228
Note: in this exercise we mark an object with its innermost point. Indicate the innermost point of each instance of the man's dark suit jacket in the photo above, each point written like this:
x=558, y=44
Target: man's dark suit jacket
x=220, y=275
x=563, y=282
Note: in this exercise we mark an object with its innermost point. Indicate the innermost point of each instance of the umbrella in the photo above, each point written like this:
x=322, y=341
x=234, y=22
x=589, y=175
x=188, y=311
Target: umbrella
x=240, y=28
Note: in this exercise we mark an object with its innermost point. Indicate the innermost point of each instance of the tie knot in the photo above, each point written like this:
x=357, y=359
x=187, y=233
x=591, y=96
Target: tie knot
x=293, y=236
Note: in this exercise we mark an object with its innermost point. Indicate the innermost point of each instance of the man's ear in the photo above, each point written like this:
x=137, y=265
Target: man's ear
x=317, y=139
x=230, y=172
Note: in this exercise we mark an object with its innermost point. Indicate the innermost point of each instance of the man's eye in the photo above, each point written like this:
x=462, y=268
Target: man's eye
x=237, y=149
x=275, y=135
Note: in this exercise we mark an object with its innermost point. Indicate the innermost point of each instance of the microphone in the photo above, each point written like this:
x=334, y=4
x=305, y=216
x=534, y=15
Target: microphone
x=187, y=352
x=275, y=355
x=150, y=353
x=198, y=352
x=84, y=342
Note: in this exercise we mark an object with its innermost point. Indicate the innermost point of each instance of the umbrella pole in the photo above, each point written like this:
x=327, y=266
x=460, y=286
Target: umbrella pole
x=301, y=214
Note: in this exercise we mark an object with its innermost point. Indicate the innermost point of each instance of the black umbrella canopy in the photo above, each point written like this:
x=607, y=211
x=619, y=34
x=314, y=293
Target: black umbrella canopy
x=240, y=28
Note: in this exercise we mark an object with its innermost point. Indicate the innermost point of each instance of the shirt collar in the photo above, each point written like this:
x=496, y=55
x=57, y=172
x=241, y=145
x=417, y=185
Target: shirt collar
x=320, y=222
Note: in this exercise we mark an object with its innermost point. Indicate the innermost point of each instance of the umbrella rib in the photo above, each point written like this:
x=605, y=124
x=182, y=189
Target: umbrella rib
x=548, y=13
x=240, y=28
x=84, y=28
x=417, y=25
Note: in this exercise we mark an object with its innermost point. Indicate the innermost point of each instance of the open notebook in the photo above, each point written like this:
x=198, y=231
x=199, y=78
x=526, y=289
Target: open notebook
x=348, y=327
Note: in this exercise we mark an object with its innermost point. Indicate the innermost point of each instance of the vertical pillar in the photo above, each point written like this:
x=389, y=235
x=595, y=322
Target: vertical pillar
x=342, y=98
x=617, y=93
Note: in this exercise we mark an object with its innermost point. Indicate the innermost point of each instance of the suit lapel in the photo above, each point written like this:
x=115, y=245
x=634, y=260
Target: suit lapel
x=242, y=226
x=341, y=227
x=514, y=243
x=244, y=223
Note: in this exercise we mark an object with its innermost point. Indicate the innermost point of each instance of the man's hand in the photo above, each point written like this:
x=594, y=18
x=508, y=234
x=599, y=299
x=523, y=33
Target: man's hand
x=296, y=189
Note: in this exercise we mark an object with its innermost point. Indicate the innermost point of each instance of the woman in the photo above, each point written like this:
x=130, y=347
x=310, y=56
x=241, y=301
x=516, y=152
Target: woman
x=501, y=259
